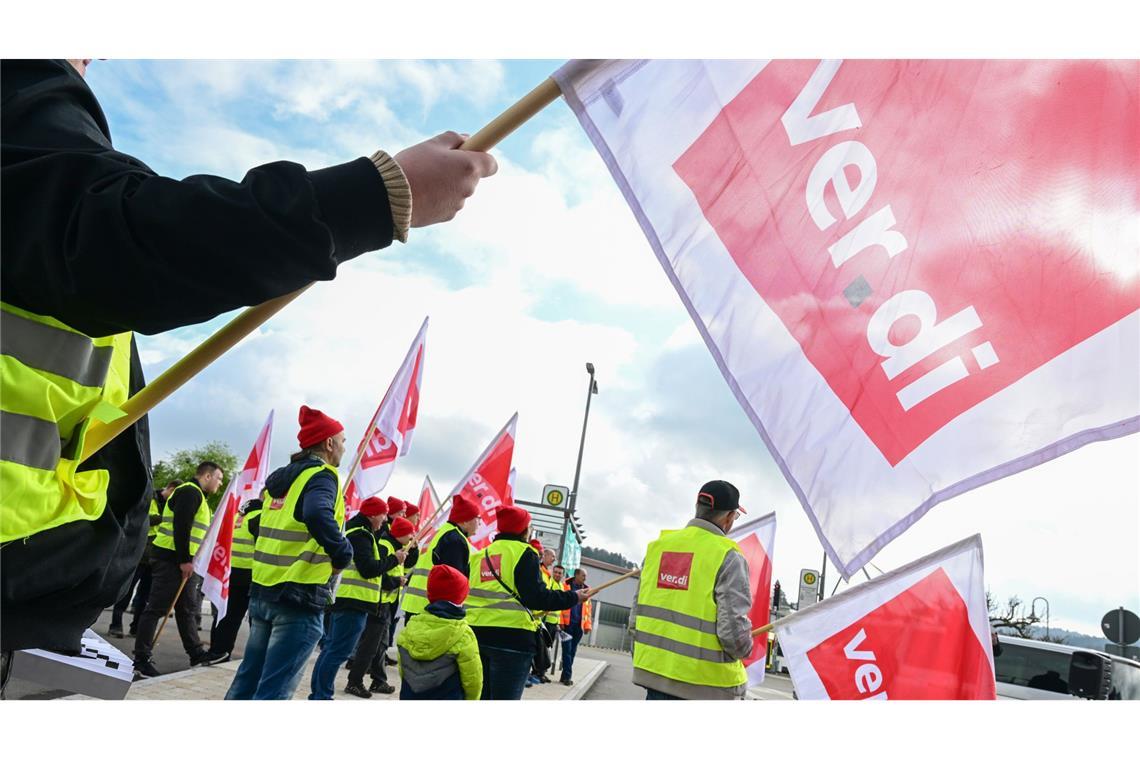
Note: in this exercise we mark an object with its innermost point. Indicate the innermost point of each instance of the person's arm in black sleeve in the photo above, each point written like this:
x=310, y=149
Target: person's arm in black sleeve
x=95, y=221
x=253, y=523
x=317, y=503
x=413, y=556
x=388, y=560
x=362, y=555
x=452, y=550
x=534, y=593
x=183, y=506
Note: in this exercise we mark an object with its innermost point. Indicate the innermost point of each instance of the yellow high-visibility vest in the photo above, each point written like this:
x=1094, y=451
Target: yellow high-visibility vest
x=241, y=555
x=387, y=597
x=285, y=550
x=675, y=629
x=353, y=585
x=198, y=529
x=415, y=593
x=488, y=603
x=55, y=381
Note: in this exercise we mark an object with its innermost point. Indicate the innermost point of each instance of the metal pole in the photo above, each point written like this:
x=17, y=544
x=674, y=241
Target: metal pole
x=578, y=467
x=823, y=579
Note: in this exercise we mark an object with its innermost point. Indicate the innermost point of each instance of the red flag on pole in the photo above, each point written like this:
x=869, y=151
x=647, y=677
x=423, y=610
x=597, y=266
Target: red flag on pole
x=486, y=484
x=389, y=433
x=429, y=502
x=212, y=561
x=919, y=632
x=756, y=539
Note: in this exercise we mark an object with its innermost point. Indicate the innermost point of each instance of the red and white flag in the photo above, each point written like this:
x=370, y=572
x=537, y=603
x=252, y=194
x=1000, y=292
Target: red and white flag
x=429, y=502
x=917, y=277
x=212, y=561
x=486, y=484
x=389, y=434
x=509, y=496
x=919, y=632
x=757, y=540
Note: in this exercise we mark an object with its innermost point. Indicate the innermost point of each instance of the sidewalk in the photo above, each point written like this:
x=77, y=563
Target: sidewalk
x=212, y=682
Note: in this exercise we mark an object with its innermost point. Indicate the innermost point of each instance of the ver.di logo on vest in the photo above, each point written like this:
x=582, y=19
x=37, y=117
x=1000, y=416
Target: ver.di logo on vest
x=489, y=567
x=674, y=570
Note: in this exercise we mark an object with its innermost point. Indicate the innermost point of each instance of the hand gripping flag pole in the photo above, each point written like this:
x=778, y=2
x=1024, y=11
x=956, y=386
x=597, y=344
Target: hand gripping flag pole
x=101, y=433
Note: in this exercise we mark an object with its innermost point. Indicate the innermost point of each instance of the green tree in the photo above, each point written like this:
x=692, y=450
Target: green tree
x=183, y=464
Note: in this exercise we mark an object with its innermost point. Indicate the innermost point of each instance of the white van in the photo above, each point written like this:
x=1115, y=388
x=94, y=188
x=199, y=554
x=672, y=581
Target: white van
x=1029, y=669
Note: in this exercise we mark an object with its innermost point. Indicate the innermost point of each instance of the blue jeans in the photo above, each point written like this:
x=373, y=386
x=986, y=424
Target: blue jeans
x=569, y=651
x=654, y=694
x=504, y=672
x=345, y=627
x=281, y=638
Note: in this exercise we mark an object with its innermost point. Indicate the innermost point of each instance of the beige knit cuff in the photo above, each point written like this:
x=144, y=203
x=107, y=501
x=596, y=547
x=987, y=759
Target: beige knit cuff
x=399, y=193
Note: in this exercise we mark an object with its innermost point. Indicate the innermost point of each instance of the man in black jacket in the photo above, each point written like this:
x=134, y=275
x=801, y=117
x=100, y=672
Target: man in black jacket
x=171, y=569
x=97, y=240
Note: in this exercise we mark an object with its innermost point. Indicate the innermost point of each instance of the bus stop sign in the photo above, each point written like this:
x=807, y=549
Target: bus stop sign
x=1121, y=626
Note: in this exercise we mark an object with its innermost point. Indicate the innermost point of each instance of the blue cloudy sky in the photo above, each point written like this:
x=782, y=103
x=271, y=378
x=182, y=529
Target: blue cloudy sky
x=543, y=271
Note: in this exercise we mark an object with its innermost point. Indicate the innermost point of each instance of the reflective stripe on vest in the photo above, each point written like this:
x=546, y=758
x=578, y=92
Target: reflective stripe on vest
x=241, y=554
x=285, y=551
x=488, y=603
x=675, y=628
x=387, y=597
x=198, y=529
x=55, y=380
x=415, y=593
x=353, y=585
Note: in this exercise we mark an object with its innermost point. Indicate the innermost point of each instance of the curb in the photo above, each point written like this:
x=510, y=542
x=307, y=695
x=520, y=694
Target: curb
x=578, y=690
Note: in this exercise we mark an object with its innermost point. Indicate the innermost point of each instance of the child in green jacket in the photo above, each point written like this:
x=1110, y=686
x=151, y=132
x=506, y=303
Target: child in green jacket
x=439, y=656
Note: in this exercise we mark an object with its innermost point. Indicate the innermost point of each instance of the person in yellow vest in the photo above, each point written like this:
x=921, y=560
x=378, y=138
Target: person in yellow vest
x=506, y=585
x=96, y=245
x=140, y=584
x=371, y=650
x=357, y=597
x=223, y=633
x=185, y=520
x=691, y=616
x=575, y=622
x=449, y=546
x=299, y=550
x=547, y=632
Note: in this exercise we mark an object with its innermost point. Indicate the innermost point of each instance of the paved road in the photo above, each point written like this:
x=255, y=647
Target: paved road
x=617, y=681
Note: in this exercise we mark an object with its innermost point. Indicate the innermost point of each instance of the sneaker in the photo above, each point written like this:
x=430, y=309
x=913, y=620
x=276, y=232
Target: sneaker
x=115, y=630
x=532, y=681
x=205, y=657
x=543, y=679
x=358, y=690
x=379, y=687
x=565, y=682
x=145, y=669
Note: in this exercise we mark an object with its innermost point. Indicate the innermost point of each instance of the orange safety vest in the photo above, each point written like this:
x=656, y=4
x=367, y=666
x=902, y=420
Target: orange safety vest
x=587, y=612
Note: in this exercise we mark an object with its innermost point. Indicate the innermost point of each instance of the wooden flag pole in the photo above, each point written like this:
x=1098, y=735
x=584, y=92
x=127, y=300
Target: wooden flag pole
x=164, y=617
x=101, y=433
x=619, y=579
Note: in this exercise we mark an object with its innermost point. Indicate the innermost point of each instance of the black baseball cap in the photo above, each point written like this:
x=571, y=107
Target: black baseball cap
x=721, y=496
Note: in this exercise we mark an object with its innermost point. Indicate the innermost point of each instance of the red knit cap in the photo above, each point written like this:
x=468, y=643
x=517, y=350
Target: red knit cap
x=373, y=506
x=536, y=544
x=463, y=509
x=513, y=519
x=446, y=583
x=396, y=506
x=412, y=510
x=316, y=426
x=401, y=527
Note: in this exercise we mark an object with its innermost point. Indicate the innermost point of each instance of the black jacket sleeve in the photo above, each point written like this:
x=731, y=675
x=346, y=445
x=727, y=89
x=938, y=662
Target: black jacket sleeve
x=366, y=563
x=452, y=550
x=388, y=560
x=534, y=593
x=413, y=556
x=97, y=239
x=253, y=522
x=183, y=506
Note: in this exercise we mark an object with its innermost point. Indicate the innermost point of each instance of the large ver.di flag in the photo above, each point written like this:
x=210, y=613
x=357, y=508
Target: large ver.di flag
x=757, y=540
x=389, y=434
x=214, y=558
x=919, y=632
x=916, y=276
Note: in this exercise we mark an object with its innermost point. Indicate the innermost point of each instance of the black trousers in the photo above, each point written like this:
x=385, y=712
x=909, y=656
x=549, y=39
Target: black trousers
x=140, y=589
x=166, y=577
x=372, y=647
x=224, y=632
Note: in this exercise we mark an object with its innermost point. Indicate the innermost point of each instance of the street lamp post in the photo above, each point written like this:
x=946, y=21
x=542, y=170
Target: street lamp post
x=591, y=389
